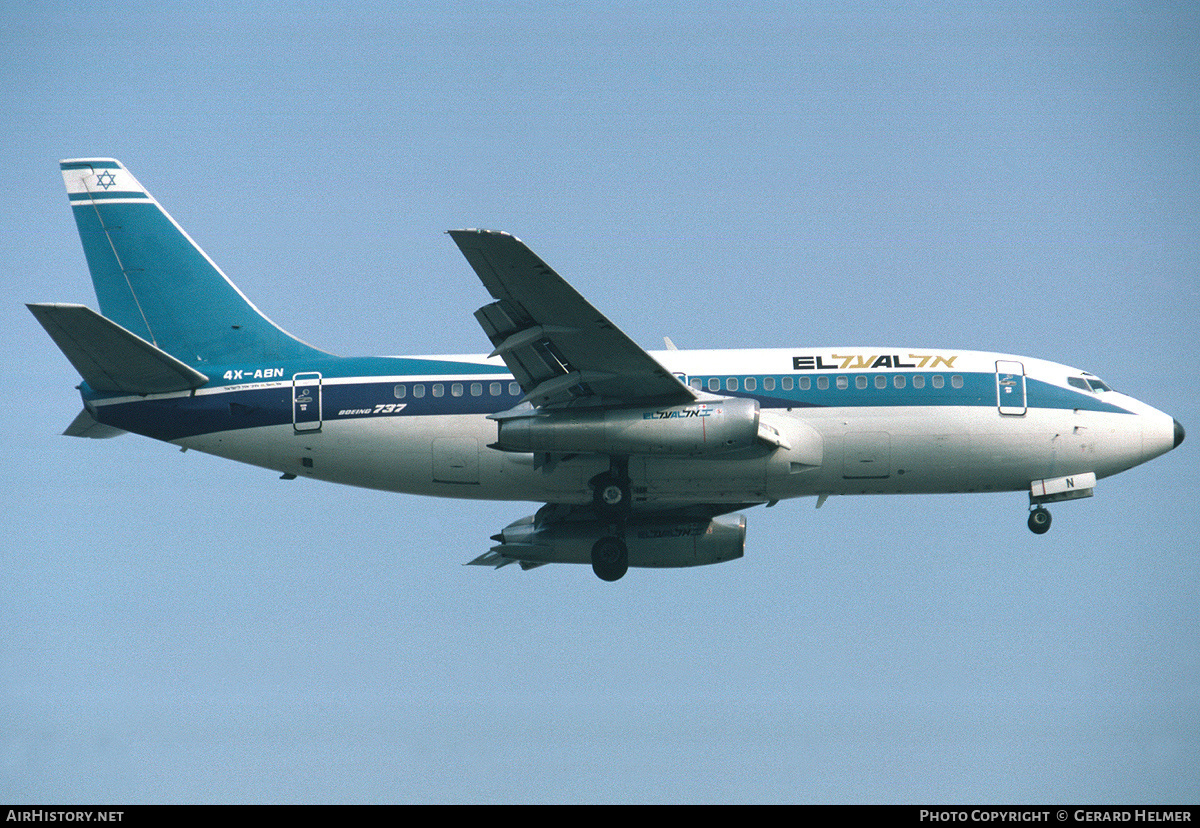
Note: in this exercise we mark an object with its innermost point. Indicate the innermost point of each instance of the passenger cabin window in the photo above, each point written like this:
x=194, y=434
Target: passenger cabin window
x=399, y=392
x=938, y=381
x=714, y=384
x=843, y=383
x=918, y=381
x=881, y=381
x=751, y=384
x=494, y=389
x=731, y=384
x=805, y=383
x=514, y=389
x=768, y=383
x=697, y=383
x=899, y=381
x=787, y=383
x=476, y=389
x=823, y=383
x=438, y=389
x=860, y=381
x=418, y=390
x=957, y=381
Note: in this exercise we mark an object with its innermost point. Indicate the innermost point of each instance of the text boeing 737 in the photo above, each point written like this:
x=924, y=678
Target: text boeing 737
x=640, y=459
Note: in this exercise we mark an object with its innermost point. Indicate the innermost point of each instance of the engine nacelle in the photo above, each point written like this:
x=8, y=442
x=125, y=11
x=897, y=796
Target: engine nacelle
x=651, y=543
x=711, y=427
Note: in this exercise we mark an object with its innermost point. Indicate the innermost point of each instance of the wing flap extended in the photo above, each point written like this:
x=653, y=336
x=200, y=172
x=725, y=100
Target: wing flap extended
x=561, y=350
x=110, y=358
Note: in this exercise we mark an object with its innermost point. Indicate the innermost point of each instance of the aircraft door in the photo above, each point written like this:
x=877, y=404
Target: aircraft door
x=306, y=402
x=1010, y=388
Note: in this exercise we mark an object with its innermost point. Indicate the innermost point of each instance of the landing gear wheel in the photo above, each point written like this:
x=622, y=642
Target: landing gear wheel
x=610, y=496
x=1039, y=521
x=610, y=559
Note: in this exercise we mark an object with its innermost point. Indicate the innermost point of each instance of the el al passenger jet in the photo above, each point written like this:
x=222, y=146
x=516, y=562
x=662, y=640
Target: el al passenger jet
x=641, y=459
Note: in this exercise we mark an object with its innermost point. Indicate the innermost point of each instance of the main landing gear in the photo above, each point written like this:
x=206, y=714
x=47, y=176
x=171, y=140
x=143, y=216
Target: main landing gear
x=1039, y=520
x=611, y=495
x=611, y=500
x=610, y=558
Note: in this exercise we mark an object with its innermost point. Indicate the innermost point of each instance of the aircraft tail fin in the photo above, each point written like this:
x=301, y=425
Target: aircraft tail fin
x=155, y=282
x=111, y=359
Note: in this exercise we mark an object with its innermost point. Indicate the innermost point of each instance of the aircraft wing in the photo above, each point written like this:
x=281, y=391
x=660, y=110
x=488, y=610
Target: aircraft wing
x=561, y=350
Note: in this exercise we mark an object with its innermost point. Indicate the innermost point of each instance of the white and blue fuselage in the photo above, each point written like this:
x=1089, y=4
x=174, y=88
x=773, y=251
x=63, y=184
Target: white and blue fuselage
x=865, y=421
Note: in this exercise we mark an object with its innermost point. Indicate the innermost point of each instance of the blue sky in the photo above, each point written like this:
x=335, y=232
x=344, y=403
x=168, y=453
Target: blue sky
x=1013, y=177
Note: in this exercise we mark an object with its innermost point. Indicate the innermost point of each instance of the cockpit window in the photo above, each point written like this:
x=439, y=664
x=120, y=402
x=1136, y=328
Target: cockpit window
x=1088, y=383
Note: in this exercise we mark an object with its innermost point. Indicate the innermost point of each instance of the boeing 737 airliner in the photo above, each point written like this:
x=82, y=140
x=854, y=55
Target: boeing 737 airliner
x=641, y=459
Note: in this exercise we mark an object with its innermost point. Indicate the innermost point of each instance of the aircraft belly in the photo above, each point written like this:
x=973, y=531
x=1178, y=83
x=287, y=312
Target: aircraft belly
x=262, y=446
x=683, y=479
x=941, y=449
x=444, y=456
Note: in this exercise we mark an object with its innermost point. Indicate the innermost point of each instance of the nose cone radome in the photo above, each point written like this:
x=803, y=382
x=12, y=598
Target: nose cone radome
x=1179, y=433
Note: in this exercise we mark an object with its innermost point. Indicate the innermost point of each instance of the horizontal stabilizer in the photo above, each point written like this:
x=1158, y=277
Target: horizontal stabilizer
x=85, y=425
x=110, y=358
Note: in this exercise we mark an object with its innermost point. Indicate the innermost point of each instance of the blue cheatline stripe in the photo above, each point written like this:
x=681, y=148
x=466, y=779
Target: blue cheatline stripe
x=100, y=196
x=178, y=417
x=254, y=407
x=91, y=165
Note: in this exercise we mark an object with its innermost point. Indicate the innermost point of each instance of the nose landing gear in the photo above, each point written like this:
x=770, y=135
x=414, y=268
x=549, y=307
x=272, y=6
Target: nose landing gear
x=1056, y=490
